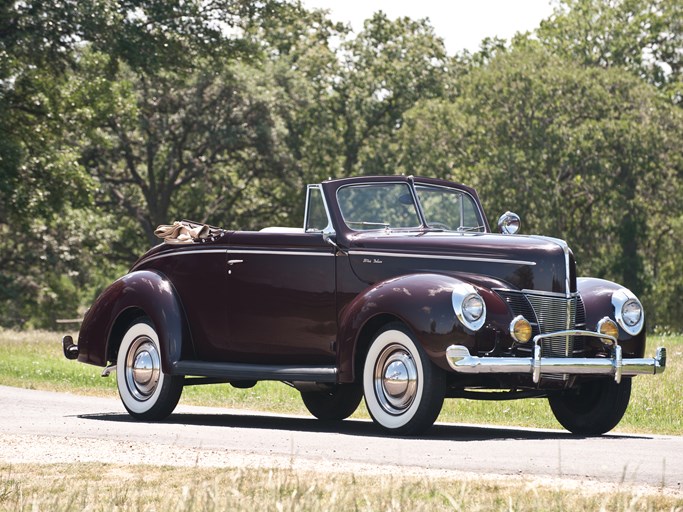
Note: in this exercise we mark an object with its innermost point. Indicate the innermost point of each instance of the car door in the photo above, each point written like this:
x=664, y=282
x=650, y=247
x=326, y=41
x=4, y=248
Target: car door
x=280, y=298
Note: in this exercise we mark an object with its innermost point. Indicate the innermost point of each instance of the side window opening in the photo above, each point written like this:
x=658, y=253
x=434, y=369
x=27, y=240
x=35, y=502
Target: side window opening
x=316, y=219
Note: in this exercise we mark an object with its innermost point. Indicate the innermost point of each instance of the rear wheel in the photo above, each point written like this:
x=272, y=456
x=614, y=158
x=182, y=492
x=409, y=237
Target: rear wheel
x=594, y=408
x=334, y=404
x=146, y=391
x=404, y=390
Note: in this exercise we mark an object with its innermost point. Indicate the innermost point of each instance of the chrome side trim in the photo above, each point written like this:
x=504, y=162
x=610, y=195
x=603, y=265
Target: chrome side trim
x=282, y=253
x=233, y=251
x=461, y=361
x=181, y=253
x=358, y=252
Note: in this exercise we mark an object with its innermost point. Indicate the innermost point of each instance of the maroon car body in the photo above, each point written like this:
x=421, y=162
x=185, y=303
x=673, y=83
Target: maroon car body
x=394, y=289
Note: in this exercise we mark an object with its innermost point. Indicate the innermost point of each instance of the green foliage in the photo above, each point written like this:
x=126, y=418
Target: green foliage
x=576, y=151
x=126, y=115
x=644, y=36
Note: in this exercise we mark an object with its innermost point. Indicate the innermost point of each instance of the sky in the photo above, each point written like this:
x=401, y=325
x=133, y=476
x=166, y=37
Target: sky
x=461, y=23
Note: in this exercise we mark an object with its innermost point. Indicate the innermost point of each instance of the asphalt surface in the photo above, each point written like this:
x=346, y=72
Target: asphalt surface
x=45, y=427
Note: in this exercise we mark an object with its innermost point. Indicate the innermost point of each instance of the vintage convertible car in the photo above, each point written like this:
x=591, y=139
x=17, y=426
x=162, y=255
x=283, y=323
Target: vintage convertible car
x=394, y=289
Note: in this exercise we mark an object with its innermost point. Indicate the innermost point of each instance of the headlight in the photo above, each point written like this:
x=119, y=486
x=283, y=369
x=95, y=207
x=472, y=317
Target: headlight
x=631, y=312
x=473, y=307
x=628, y=311
x=469, y=307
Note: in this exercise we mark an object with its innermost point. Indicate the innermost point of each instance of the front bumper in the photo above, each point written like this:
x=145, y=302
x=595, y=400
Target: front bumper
x=461, y=361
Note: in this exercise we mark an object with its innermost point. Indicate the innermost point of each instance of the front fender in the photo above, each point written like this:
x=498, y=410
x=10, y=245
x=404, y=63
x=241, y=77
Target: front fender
x=596, y=295
x=140, y=292
x=421, y=301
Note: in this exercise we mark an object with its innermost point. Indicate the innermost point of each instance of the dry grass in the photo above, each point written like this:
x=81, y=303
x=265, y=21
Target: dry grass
x=95, y=487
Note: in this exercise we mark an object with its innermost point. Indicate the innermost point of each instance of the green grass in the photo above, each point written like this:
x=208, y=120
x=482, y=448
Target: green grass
x=34, y=360
x=99, y=486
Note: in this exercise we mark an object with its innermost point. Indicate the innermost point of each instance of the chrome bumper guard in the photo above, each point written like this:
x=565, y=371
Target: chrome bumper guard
x=461, y=361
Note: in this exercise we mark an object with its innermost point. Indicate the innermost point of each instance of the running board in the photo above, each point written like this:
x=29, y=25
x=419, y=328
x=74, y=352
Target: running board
x=242, y=371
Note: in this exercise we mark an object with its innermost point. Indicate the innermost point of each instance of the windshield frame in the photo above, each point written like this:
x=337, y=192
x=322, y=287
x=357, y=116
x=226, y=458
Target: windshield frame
x=424, y=226
x=482, y=227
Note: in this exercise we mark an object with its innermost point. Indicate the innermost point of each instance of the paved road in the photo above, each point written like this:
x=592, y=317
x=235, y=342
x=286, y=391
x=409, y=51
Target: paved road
x=37, y=426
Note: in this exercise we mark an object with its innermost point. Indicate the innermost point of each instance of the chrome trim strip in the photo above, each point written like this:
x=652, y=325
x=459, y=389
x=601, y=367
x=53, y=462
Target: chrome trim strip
x=232, y=251
x=358, y=252
x=281, y=252
x=181, y=253
x=560, y=295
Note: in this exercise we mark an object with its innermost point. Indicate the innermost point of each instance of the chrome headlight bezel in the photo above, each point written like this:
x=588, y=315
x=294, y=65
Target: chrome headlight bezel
x=466, y=304
x=622, y=300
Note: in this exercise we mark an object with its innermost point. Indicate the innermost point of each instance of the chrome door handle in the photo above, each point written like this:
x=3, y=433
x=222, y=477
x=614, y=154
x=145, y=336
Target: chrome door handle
x=234, y=262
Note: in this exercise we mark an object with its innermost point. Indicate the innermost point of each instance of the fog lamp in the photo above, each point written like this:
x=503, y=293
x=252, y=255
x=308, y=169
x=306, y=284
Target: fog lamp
x=608, y=327
x=520, y=329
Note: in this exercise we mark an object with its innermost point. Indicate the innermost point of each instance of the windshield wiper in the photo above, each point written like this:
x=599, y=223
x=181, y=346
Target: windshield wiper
x=467, y=229
x=366, y=223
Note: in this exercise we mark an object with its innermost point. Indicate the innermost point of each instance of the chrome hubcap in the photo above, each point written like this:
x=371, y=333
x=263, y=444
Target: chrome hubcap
x=395, y=379
x=143, y=367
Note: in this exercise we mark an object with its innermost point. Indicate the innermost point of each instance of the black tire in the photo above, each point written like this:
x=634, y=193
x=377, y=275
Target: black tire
x=594, y=408
x=335, y=404
x=146, y=391
x=409, y=402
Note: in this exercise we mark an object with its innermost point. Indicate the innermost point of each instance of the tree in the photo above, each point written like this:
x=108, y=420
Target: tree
x=576, y=151
x=387, y=68
x=43, y=183
x=644, y=36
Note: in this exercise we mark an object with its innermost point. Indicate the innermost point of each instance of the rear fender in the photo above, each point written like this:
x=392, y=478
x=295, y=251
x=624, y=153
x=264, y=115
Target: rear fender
x=140, y=293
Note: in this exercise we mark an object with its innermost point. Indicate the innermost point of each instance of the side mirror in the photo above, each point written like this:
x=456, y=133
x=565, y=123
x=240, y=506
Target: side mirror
x=509, y=223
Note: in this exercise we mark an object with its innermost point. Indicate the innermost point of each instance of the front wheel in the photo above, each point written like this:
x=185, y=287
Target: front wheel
x=146, y=391
x=594, y=408
x=334, y=404
x=404, y=390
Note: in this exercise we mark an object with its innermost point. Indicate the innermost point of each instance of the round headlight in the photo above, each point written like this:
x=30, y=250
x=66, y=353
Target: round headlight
x=628, y=312
x=473, y=307
x=631, y=312
x=469, y=306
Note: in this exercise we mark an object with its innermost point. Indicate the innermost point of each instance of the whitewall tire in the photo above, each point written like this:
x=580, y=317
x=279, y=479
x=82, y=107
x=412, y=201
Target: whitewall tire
x=146, y=391
x=404, y=390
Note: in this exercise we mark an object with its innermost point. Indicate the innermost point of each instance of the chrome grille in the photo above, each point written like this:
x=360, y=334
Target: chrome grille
x=554, y=314
x=547, y=314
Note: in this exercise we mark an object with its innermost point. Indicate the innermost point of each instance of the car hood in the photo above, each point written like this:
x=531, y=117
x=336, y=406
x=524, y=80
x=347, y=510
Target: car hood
x=515, y=261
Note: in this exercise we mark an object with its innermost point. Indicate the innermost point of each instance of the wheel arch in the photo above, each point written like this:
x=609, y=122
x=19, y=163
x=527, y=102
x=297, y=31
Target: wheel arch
x=137, y=294
x=596, y=295
x=422, y=302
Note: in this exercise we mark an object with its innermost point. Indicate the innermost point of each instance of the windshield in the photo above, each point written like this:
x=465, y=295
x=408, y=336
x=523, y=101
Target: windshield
x=449, y=209
x=378, y=206
x=375, y=206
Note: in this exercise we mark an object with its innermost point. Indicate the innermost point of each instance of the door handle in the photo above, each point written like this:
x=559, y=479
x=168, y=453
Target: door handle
x=234, y=262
